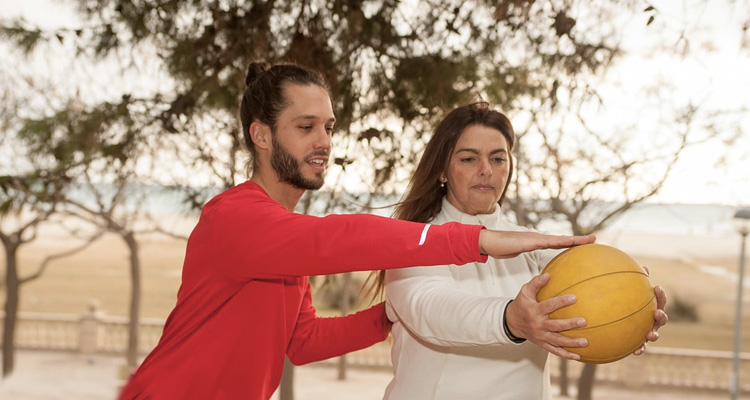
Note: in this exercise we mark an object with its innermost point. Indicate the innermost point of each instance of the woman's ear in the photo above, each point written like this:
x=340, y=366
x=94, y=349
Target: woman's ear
x=261, y=135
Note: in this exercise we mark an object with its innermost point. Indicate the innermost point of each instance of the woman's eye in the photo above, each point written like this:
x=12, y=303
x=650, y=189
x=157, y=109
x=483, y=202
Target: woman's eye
x=467, y=159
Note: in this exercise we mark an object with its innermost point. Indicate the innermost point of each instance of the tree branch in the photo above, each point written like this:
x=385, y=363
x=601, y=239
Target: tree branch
x=43, y=265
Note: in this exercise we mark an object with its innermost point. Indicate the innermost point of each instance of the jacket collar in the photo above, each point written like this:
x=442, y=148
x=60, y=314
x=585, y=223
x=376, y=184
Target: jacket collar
x=451, y=213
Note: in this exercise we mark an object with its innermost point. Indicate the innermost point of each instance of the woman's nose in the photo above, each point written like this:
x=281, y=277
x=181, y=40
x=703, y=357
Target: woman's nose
x=485, y=168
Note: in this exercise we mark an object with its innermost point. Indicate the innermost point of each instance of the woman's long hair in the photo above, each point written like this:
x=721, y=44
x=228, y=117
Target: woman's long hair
x=424, y=195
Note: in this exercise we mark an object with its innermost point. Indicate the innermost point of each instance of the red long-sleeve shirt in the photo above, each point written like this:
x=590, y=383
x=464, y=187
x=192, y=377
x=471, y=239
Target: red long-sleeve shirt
x=245, y=297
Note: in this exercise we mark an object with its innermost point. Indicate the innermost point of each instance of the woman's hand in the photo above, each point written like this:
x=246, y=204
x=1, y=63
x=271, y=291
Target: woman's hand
x=660, y=318
x=529, y=319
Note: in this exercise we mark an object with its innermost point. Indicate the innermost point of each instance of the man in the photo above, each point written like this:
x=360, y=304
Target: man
x=245, y=298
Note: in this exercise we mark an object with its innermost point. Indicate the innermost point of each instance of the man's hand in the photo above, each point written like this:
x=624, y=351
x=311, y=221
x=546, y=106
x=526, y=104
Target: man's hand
x=505, y=244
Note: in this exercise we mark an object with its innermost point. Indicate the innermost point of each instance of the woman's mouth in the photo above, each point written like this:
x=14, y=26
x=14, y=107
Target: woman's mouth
x=483, y=187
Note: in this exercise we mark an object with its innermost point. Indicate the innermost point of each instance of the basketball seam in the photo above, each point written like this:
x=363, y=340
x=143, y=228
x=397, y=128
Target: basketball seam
x=598, y=276
x=617, y=320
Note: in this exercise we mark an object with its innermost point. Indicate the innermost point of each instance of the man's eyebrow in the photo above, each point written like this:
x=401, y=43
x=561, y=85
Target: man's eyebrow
x=312, y=117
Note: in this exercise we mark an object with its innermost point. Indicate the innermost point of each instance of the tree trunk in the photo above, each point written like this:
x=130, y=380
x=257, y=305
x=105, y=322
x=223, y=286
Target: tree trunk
x=286, y=388
x=588, y=374
x=135, y=301
x=344, y=307
x=12, y=287
x=564, y=377
x=586, y=382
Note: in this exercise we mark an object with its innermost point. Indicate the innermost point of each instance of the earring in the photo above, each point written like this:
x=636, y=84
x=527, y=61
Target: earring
x=442, y=182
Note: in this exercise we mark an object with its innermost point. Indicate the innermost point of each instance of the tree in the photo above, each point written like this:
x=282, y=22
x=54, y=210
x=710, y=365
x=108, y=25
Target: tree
x=23, y=199
x=104, y=189
x=582, y=189
x=385, y=62
x=106, y=212
x=28, y=197
x=394, y=68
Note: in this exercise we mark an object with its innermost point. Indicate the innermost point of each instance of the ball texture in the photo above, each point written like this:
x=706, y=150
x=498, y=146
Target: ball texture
x=614, y=295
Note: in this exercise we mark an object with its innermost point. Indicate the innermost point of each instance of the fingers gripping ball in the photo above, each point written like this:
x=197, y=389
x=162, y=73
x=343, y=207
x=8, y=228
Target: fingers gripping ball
x=614, y=296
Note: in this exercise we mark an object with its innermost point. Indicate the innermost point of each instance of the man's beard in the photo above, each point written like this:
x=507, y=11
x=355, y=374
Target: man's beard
x=289, y=171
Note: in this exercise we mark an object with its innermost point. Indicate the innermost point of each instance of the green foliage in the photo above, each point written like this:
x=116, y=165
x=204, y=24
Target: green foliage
x=417, y=67
x=384, y=60
x=431, y=82
x=24, y=38
x=33, y=191
x=74, y=136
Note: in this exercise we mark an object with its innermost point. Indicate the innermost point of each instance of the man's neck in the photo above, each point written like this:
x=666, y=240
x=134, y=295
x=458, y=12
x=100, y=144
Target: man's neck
x=284, y=193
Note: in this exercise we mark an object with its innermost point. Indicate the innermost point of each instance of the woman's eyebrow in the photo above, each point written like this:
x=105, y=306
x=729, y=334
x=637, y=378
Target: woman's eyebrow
x=475, y=151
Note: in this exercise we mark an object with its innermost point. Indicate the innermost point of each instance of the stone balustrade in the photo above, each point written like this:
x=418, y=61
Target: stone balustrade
x=95, y=332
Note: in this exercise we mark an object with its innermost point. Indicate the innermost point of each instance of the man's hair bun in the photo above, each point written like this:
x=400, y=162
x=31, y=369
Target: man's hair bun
x=255, y=70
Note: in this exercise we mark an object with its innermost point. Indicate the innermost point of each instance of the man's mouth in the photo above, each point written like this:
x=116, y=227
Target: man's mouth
x=318, y=162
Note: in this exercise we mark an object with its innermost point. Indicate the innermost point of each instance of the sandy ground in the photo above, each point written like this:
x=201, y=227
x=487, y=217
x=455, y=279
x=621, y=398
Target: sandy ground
x=70, y=284
x=70, y=376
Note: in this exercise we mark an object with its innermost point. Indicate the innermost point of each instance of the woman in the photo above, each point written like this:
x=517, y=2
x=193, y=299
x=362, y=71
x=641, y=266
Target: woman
x=474, y=331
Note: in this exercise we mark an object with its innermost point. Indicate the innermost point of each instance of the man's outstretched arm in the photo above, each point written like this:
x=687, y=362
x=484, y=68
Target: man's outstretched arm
x=505, y=244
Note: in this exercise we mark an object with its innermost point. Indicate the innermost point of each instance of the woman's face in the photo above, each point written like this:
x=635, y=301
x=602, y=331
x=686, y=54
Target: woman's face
x=478, y=170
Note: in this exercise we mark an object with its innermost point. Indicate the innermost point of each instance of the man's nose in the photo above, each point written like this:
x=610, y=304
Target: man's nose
x=322, y=139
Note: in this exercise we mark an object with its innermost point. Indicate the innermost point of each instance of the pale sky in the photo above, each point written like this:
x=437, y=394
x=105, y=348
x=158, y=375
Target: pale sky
x=716, y=80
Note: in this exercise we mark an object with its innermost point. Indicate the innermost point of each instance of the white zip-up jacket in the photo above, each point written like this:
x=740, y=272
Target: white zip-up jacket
x=449, y=342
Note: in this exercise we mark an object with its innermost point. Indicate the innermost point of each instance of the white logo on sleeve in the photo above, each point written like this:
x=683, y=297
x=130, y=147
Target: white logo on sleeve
x=424, y=234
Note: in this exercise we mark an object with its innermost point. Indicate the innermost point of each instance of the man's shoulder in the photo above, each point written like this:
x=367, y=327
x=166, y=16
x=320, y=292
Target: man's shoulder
x=242, y=195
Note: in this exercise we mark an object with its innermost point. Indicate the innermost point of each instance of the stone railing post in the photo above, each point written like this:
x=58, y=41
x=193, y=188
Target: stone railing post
x=90, y=331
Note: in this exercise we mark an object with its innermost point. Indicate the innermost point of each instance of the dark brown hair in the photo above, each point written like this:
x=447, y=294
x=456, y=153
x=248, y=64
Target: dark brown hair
x=424, y=196
x=264, y=97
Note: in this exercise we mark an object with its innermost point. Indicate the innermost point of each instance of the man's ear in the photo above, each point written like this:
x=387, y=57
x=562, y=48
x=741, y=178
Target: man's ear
x=261, y=135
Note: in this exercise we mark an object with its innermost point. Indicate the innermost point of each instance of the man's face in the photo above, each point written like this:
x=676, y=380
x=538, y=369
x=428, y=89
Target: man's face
x=288, y=169
x=302, y=141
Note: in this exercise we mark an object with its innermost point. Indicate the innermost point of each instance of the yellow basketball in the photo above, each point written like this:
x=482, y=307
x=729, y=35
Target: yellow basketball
x=614, y=295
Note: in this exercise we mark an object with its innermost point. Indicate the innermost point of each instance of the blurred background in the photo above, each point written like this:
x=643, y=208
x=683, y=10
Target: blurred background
x=118, y=121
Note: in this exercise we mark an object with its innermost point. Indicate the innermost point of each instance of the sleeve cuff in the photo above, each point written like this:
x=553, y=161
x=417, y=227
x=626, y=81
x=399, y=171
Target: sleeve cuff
x=506, y=329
